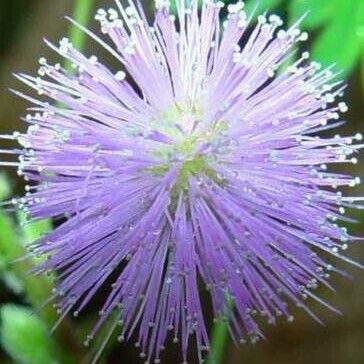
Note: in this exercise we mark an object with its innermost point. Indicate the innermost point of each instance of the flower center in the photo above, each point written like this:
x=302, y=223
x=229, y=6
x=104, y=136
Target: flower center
x=192, y=144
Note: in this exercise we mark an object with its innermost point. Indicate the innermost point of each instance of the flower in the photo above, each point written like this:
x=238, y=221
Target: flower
x=197, y=165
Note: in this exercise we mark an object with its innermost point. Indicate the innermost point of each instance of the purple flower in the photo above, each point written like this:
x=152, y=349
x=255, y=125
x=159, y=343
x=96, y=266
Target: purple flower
x=199, y=167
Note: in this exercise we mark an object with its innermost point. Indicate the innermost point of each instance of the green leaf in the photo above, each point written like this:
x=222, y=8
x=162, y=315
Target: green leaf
x=339, y=42
x=319, y=12
x=173, y=6
x=33, y=230
x=37, y=289
x=360, y=24
x=360, y=34
x=9, y=239
x=262, y=5
x=9, y=248
x=5, y=189
x=81, y=13
x=24, y=337
x=11, y=280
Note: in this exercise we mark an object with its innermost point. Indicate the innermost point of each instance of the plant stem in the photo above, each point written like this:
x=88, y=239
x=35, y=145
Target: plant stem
x=218, y=342
x=220, y=333
x=81, y=14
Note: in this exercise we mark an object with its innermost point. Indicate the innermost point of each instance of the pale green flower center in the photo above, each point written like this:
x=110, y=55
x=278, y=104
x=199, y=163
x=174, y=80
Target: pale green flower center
x=183, y=124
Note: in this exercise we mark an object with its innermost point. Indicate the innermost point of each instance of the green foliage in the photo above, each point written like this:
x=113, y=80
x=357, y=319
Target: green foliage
x=16, y=274
x=81, y=13
x=261, y=6
x=24, y=336
x=360, y=35
x=33, y=230
x=173, y=8
x=318, y=11
x=9, y=248
x=4, y=187
x=341, y=25
x=339, y=41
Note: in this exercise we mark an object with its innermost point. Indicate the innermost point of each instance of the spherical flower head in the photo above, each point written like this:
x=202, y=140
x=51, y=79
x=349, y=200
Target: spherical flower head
x=195, y=165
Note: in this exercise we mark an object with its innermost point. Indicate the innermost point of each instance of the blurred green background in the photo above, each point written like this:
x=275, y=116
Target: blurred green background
x=337, y=36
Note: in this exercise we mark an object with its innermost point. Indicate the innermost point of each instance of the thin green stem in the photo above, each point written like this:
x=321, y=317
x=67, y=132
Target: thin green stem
x=81, y=14
x=218, y=343
x=220, y=333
